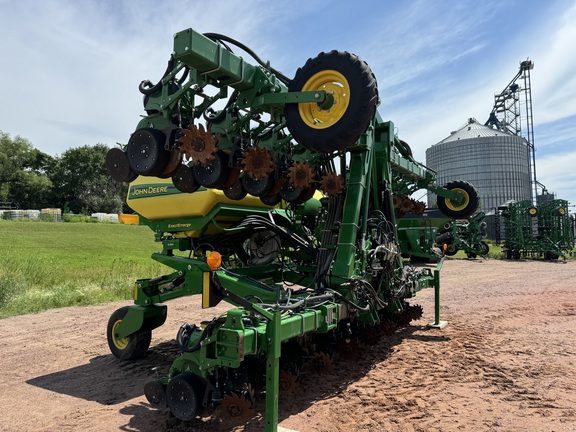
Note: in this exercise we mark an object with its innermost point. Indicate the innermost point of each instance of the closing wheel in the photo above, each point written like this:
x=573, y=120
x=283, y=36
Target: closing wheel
x=130, y=347
x=350, y=85
x=459, y=210
x=215, y=173
x=184, y=395
x=146, y=152
x=234, y=406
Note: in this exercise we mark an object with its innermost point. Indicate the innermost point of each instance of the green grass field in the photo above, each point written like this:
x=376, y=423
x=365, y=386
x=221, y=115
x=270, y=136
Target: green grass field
x=48, y=265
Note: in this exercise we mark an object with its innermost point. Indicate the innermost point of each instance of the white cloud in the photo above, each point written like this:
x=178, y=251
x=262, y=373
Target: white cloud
x=557, y=173
x=553, y=79
x=75, y=67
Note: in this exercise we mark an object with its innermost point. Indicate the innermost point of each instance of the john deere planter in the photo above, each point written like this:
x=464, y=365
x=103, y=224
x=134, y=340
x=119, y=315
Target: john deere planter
x=276, y=196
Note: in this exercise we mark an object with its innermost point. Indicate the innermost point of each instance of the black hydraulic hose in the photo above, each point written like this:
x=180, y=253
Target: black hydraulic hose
x=146, y=87
x=351, y=303
x=297, y=304
x=184, y=335
x=220, y=37
x=186, y=331
x=221, y=114
x=184, y=75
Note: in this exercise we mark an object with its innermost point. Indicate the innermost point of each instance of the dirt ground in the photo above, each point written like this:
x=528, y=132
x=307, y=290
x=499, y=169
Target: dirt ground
x=505, y=362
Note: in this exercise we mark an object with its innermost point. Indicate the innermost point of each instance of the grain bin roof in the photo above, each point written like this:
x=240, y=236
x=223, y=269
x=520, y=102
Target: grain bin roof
x=473, y=129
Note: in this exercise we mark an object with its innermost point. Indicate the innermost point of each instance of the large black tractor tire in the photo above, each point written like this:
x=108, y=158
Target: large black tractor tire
x=445, y=238
x=134, y=346
x=351, y=83
x=459, y=211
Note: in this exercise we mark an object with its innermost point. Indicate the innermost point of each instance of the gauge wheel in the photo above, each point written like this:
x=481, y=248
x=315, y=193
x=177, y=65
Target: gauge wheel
x=271, y=199
x=130, y=347
x=256, y=187
x=146, y=153
x=533, y=211
x=215, y=173
x=118, y=166
x=461, y=210
x=184, y=180
x=236, y=191
x=351, y=84
x=174, y=162
x=184, y=395
x=291, y=194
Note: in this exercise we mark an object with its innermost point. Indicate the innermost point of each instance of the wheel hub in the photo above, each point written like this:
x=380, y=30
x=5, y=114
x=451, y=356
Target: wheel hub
x=119, y=343
x=317, y=115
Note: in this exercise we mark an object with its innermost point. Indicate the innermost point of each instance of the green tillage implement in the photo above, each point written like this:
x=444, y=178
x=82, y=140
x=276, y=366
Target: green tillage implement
x=278, y=202
x=543, y=231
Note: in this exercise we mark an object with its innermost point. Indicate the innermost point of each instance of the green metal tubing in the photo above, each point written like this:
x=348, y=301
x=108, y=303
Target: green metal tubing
x=344, y=259
x=213, y=60
x=437, y=321
x=273, y=335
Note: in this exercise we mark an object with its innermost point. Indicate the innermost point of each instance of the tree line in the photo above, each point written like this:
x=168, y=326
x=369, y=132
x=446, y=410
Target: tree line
x=76, y=181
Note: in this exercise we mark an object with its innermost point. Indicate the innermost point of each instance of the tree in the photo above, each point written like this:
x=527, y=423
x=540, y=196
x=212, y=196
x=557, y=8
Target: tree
x=82, y=183
x=23, y=173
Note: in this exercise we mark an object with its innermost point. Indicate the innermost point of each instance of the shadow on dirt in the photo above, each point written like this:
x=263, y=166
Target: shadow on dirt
x=109, y=381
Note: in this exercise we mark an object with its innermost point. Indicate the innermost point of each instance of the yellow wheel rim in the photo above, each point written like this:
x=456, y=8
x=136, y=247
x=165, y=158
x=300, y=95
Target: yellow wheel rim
x=561, y=211
x=333, y=83
x=458, y=207
x=118, y=343
x=532, y=211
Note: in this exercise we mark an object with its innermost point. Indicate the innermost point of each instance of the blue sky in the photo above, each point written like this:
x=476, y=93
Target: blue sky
x=70, y=69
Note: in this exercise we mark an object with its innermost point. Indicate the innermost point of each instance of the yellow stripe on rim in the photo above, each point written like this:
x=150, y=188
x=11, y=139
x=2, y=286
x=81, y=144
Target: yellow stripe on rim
x=205, y=290
x=333, y=83
x=457, y=207
x=118, y=343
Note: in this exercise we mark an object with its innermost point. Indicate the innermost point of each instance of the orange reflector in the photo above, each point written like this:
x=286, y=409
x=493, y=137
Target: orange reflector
x=214, y=259
x=445, y=247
